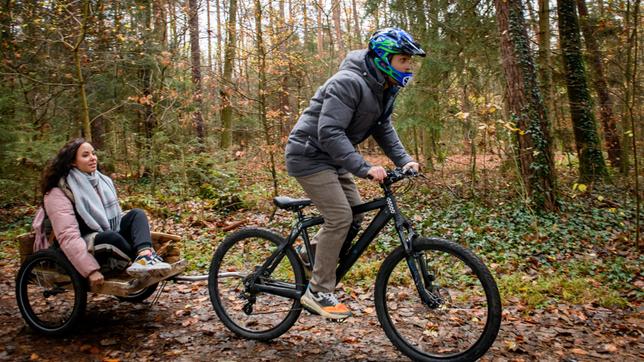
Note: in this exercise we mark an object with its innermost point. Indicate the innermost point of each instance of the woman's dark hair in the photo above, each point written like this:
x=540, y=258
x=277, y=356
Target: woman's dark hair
x=60, y=165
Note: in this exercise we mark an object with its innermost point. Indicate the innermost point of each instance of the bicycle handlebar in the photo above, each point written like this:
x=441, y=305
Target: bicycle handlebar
x=398, y=174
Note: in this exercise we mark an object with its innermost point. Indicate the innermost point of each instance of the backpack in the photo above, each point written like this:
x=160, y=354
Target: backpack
x=44, y=233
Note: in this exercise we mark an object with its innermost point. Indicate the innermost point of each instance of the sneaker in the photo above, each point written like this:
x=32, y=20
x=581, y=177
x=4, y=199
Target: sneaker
x=324, y=304
x=146, y=263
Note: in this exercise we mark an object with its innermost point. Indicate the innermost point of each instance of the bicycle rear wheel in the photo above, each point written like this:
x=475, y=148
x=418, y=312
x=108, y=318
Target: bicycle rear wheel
x=464, y=322
x=243, y=310
x=50, y=293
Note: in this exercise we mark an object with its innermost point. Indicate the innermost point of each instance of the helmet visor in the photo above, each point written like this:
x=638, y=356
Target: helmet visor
x=412, y=48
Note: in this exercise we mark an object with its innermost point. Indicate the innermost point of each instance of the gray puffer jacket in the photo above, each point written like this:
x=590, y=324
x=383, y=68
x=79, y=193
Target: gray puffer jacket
x=351, y=106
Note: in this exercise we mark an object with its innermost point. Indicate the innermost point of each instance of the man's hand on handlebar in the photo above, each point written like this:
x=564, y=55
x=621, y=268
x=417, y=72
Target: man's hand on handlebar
x=377, y=173
x=411, y=168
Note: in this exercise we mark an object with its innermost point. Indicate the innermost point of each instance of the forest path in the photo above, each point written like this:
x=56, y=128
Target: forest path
x=184, y=327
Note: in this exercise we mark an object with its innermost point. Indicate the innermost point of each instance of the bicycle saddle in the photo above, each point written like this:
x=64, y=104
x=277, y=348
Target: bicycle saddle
x=287, y=203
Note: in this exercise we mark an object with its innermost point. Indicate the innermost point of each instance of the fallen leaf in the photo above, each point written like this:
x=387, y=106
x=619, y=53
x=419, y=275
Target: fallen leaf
x=609, y=348
x=511, y=345
x=579, y=351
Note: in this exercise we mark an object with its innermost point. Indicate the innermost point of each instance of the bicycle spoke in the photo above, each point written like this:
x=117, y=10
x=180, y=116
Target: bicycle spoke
x=240, y=295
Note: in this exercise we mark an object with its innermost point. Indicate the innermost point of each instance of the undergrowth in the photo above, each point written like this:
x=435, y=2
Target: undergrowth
x=585, y=253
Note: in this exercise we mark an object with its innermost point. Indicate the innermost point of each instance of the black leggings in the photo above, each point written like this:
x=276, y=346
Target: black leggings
x=133, y=236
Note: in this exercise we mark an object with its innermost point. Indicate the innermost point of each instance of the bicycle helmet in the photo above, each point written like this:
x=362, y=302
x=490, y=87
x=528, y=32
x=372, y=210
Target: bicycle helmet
x=389, y=41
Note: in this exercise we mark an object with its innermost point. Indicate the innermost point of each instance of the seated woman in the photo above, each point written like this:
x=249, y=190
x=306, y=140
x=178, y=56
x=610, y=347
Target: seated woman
x=83, y=208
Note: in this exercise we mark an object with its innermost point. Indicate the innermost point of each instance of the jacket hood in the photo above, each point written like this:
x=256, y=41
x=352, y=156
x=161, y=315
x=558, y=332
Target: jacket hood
x=356, y=61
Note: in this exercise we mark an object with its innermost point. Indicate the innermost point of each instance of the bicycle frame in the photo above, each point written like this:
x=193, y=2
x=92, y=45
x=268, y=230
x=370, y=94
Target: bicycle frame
x=388, y=210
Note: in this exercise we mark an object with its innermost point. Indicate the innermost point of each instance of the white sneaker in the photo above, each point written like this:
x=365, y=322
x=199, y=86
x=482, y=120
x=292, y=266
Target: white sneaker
x=325, y=304
x=145, y=263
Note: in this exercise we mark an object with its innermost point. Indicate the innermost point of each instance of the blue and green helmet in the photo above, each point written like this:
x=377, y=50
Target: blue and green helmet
x=389, y=41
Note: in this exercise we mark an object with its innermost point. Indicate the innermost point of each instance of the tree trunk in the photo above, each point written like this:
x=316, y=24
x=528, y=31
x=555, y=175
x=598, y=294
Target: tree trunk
x=261, y=92
x=86, y=127
x=284, y=108
x=349, y=32
x=5, y=24
x=470, y=129
x=229, y=57
x=195, y=55
x=433, y=77
x=544, y=62
x=320, y=27
x=305, y=20
x=103, y=47
x=532, y=18
x=591, y=160
x=7, y=53
x=173, y=24
x=631, y=97
x=356, y=23
x=526, y=107
x=219, y=60
x=160, y=23
x=608, y=121
x=209, y=32
x=148, y=117
x=337, y=24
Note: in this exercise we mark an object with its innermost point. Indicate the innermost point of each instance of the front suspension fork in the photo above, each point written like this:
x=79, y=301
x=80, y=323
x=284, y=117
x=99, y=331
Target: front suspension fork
x=423, y=281
x=422, y=278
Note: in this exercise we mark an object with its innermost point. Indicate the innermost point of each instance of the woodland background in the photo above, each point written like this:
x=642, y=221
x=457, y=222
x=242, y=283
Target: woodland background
x=526, y=117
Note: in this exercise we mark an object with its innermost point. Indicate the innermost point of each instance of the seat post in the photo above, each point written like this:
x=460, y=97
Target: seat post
x=300, y=216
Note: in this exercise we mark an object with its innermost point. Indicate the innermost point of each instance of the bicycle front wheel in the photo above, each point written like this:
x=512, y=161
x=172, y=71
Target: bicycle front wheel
x=236, y=264
x=464, y=317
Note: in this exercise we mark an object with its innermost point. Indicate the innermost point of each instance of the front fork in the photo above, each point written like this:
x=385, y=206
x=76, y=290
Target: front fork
x=422, y=278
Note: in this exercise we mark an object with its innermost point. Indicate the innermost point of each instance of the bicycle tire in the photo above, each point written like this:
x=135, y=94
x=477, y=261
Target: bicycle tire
x=457, y=267
x=227, y=295
x=48, y=275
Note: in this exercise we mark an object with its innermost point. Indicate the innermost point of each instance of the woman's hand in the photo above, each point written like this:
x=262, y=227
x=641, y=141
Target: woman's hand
x=95, y=279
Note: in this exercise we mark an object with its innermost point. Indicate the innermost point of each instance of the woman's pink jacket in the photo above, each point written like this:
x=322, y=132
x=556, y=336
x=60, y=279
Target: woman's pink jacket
x=60, y=211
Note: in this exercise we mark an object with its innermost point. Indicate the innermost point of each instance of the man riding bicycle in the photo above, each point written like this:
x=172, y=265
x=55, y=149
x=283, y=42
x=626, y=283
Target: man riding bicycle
x=355, y=103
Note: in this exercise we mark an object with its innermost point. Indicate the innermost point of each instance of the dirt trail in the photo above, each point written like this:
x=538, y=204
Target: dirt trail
x=184, y=327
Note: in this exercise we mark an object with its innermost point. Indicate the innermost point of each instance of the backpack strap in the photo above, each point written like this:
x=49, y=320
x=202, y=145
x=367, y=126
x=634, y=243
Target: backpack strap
x=52, y=237
x=62, y=184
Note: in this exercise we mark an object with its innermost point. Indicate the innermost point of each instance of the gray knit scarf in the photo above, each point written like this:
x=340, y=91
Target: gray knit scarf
x=95, y=200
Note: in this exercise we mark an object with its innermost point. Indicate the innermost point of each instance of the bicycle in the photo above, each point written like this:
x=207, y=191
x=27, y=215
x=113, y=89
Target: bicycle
x=256, y=279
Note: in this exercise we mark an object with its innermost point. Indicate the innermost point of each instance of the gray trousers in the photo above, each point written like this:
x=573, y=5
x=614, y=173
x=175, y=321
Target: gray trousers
x=333, y=195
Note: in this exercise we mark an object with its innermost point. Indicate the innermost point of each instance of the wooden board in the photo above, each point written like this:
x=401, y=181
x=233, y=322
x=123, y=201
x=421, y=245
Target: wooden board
x=124, y=285
x=26, y=245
